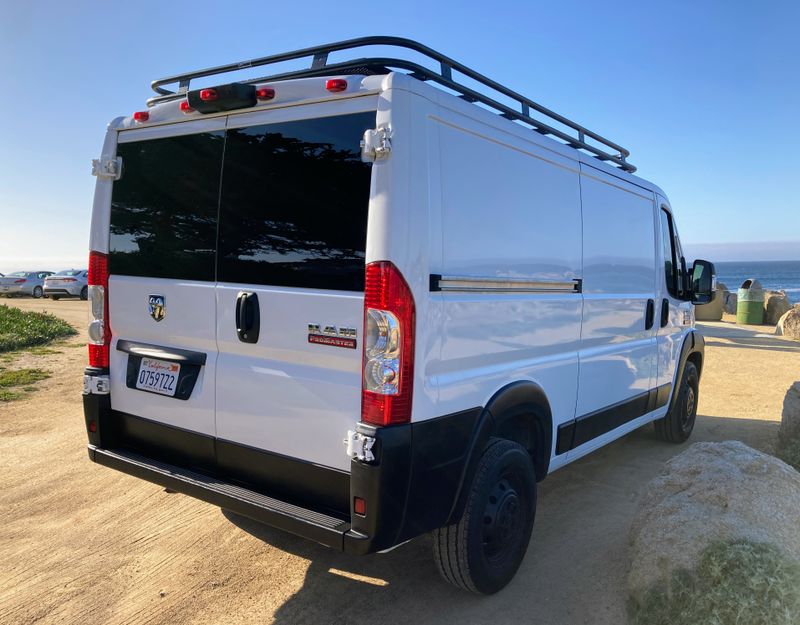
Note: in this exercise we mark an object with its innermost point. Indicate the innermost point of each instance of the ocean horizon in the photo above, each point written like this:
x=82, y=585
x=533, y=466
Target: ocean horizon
x=774, y=275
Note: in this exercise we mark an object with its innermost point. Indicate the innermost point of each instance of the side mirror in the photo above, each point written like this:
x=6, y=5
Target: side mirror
x=704, y=282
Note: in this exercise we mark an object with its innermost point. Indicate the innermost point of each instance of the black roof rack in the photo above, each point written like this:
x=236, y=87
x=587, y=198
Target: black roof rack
x=443, y=76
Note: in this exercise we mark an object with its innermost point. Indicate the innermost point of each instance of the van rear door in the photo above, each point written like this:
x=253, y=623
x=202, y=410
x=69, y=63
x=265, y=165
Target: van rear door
x=292, y=241
x=162, y=305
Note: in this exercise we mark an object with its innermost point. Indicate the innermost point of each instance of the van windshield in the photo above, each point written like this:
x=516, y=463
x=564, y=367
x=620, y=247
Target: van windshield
x=280, y=204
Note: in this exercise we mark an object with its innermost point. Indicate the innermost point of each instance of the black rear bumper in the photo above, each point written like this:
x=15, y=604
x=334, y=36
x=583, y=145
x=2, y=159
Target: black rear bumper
x=410, y=489
x=322, y=528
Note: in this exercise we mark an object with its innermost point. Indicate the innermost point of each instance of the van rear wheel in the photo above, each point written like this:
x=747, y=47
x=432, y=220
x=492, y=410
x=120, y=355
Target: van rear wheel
x=677, y=425
x=482, y=552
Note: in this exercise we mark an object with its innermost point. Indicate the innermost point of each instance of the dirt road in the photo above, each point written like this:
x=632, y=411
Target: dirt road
x=80, y=543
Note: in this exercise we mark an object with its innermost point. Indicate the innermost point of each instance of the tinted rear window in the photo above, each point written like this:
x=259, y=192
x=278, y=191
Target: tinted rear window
x=294, y=204
x=164, y=207
x=287, y=208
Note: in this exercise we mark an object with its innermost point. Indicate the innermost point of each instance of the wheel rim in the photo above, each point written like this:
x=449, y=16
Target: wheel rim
x=37, y=292
x=502, y=522
x=688, y=412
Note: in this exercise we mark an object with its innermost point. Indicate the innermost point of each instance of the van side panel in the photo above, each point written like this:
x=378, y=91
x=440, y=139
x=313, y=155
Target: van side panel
x=619, y=264
x=508, y=210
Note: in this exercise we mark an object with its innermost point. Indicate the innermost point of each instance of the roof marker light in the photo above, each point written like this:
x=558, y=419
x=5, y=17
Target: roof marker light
x=336, y=84
x=141, y=116
x=184, y=106
x=265, y=93
x=208, y=95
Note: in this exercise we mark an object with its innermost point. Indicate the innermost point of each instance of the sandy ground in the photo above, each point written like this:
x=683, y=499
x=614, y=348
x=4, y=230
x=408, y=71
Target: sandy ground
x=80, y=543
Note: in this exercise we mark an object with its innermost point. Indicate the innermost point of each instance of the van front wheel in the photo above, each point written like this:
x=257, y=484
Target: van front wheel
x=678, y=423
x=482, y=552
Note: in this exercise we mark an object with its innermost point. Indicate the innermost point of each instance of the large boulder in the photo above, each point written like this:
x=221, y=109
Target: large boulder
x=788, y=448
x=776, y=304
x=712, y=492
x=789, y=324
x=713, y=310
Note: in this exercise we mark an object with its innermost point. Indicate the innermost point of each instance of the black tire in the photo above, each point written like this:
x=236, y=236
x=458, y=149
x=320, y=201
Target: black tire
x=85, y=293
x=37, y=292
x=677, y=425
x=55, y=298
x=482, y=552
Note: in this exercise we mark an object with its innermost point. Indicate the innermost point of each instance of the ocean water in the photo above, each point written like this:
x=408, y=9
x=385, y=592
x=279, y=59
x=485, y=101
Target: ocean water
x=772, y=274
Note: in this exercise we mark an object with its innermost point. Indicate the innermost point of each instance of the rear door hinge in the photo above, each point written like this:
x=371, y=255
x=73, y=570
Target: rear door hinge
x=376, y=145
x=359, y=446
x=107, y=168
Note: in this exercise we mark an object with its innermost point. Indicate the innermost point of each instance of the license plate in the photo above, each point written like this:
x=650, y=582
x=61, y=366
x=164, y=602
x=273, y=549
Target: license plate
x=158, y=376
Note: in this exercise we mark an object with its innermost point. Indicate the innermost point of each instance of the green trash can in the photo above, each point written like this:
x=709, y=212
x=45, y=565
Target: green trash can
x=750, y=303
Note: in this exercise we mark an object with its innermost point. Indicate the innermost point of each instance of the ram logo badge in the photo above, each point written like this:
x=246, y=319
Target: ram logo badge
x=157, y=306
x=332, y=335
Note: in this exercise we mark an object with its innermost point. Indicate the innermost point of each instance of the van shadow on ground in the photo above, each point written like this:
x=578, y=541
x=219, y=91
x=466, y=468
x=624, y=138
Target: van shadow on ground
x=749, y=337
x=574, y=571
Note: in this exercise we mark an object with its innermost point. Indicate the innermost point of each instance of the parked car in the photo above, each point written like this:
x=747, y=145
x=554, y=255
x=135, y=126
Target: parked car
x=67, y=283
x=281, y=266
x=24, y=283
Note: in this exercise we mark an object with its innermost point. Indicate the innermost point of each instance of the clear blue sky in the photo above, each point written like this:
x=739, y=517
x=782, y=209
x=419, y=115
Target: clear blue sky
x=704, y=94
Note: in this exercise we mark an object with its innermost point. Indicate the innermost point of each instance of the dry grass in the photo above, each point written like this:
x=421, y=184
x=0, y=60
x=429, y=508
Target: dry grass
x=10, y=380
x=736, y=583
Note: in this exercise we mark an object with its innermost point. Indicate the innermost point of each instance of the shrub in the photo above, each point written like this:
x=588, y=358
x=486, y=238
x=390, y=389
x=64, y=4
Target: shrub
x=19, y=329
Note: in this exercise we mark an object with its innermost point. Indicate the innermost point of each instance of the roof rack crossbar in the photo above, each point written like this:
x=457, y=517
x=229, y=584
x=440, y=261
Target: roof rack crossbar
x=444, y=77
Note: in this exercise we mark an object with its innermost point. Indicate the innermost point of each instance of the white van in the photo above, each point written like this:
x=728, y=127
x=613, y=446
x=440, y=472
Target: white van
x=356, y=303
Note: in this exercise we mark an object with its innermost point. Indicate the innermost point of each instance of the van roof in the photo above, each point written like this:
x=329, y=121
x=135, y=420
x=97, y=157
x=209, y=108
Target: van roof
x=360, y=76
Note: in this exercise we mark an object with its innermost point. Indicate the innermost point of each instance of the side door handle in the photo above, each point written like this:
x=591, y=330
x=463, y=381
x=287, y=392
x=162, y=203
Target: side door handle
x=650, y=315
x=248, y=317
x=664, y=312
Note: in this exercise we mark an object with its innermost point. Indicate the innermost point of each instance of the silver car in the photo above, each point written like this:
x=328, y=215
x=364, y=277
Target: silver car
x=24, y=283
x=67, y=283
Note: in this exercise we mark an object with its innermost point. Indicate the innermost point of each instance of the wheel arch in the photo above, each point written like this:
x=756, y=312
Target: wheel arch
x=519, y=411
x=692, y=350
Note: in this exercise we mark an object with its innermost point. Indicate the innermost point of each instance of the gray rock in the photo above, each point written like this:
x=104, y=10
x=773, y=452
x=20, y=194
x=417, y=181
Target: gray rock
x=711, y=492
x=789, y=324
x=776, y=304
x=731, y=300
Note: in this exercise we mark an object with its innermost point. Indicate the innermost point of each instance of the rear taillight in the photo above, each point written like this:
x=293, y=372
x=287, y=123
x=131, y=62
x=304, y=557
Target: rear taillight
x=141, y=116
x=99, y=330
x=67, y=279
x=185, y=107
x=20, y=281
x=388, y=361
x=208, y=95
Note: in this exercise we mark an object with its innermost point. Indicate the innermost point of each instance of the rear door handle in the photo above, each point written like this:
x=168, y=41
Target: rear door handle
x=248, y=317
x=664, y=312
x=650, y=314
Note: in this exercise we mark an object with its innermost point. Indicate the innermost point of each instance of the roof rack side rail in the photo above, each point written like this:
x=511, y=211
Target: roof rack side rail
x=611, y=152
